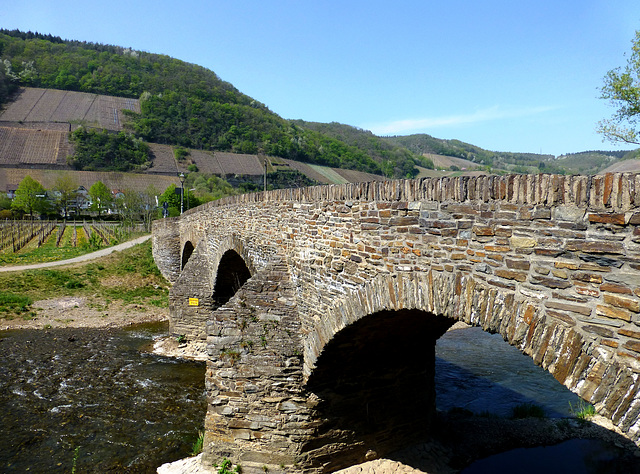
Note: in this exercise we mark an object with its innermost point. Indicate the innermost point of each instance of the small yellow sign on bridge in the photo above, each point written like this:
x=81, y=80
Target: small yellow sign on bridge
x=194, y=302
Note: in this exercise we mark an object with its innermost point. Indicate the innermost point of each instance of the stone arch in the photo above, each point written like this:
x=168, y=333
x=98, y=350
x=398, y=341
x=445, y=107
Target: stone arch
x=382, y=293
x=187, y=251
x=557, y=347
x=232, y=274
x=232, y=268
x=374, y=382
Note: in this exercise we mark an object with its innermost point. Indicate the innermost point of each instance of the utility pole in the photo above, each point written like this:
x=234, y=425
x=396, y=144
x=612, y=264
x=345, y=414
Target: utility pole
x=181, y=176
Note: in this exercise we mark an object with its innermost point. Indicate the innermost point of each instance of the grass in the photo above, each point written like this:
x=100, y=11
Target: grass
x=14, y=305
x=198, y=444
x=583, y=412
x=130, y=276
x=226, y=467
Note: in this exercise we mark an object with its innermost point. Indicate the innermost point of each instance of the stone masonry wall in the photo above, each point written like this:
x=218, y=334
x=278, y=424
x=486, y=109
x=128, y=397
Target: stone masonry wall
x=550, y=262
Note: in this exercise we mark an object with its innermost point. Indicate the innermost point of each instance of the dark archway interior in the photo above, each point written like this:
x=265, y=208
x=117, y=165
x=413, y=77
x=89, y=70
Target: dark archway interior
x=186, y=254
x=375, y=380
x=232, y=274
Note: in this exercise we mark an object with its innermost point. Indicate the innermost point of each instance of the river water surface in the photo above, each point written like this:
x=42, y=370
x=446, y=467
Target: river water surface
x=94, y=399
x=480, y=372
x=90, y=399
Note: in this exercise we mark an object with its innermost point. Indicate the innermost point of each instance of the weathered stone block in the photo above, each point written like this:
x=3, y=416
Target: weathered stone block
x=613, y=313
x=631, y=304
x=614, y=218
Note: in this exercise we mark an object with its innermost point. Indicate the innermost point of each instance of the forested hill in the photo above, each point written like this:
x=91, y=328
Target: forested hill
x=181, y=104
x=426, y=144
x=397, y=159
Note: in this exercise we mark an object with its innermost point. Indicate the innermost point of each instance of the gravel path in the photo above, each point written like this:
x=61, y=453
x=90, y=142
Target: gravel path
x=81, y=258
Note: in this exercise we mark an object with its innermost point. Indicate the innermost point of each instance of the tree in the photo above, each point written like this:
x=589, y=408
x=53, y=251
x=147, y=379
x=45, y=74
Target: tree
x=622, y=89
x=172, y=197
x=138, y=205
x=101, y=197
x=30, y=197
x=67, y=188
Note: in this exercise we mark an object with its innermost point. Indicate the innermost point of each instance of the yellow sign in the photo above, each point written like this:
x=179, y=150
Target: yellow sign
x=194, y=302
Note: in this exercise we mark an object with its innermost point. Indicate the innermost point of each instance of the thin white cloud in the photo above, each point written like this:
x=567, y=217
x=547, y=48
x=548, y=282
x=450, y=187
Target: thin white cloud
x=422, y=124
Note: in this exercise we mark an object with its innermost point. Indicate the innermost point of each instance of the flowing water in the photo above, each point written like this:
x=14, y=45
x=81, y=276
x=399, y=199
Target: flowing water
x=90, y=400
x=480, y=372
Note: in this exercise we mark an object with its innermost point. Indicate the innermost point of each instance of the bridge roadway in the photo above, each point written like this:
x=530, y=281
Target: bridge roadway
x=321, y=306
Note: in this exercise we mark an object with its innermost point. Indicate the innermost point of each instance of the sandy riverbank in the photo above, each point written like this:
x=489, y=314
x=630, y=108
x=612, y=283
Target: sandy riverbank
x=85, y=312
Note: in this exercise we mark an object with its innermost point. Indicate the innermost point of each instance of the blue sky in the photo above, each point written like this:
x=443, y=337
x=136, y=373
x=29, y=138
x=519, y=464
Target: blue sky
x=506, y=75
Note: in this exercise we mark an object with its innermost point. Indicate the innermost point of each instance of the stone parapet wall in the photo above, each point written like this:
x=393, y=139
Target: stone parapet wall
x=618, y=191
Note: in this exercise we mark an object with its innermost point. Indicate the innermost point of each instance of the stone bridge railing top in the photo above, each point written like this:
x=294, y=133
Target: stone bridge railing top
x=613, y=191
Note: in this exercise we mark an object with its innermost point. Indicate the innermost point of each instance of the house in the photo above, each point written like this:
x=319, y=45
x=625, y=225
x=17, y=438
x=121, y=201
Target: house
x=11, y=190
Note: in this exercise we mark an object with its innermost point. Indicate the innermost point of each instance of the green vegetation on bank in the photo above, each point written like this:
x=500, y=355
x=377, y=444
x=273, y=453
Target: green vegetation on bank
x=100, y=150
x=130, y=276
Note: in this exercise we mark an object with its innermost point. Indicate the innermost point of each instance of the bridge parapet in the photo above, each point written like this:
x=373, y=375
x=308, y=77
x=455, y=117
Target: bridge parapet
x=550, y=262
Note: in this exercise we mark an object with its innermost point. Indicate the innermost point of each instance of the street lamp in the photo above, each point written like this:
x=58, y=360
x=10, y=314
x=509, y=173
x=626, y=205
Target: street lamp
x=181, y=176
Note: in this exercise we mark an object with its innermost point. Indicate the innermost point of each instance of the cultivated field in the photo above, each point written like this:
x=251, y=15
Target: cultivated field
x=34, y=131
x=119, y=181
x=233, y=163
x=326, y=175
x=50, y=105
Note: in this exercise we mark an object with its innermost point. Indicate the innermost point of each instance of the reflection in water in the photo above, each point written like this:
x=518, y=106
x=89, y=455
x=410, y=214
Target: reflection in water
x=90, y=397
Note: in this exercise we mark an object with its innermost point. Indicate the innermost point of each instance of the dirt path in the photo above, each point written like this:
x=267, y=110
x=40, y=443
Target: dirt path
x=82, y=258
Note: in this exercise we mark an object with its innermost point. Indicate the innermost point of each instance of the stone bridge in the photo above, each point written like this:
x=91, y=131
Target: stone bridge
x=321, y=306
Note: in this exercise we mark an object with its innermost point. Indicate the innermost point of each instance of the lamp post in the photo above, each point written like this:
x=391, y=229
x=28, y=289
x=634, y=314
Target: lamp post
x=181, y=176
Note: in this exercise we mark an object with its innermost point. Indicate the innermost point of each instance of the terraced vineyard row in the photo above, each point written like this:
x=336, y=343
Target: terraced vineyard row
x=25, y=146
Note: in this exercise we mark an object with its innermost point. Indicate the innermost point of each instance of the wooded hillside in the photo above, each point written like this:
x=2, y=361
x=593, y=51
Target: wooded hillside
x=180, y=103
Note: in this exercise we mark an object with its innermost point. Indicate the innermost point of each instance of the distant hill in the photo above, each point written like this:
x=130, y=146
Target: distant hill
x=591, y=162
x=34, y=135
x=395, y=160
x=507, y=161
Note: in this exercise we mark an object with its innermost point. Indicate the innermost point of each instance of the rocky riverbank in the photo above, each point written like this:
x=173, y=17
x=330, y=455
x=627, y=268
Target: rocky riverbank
x=85, y=312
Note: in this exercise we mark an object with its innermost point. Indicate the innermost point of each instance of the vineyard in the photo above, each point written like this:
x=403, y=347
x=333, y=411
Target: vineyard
x=49, y=105
x=25, y=241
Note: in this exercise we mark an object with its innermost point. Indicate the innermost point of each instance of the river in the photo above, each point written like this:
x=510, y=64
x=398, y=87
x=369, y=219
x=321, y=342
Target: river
x=90, y=401
x=479, y=372
x=95, y=401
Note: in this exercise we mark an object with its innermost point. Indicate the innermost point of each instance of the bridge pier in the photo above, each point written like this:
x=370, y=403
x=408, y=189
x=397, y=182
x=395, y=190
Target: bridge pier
x=371, y=393
x=257, y=410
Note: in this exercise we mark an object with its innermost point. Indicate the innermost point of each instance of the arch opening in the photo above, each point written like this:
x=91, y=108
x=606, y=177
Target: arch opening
x=187, y=251
x=232, y=274
x=375, y=382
